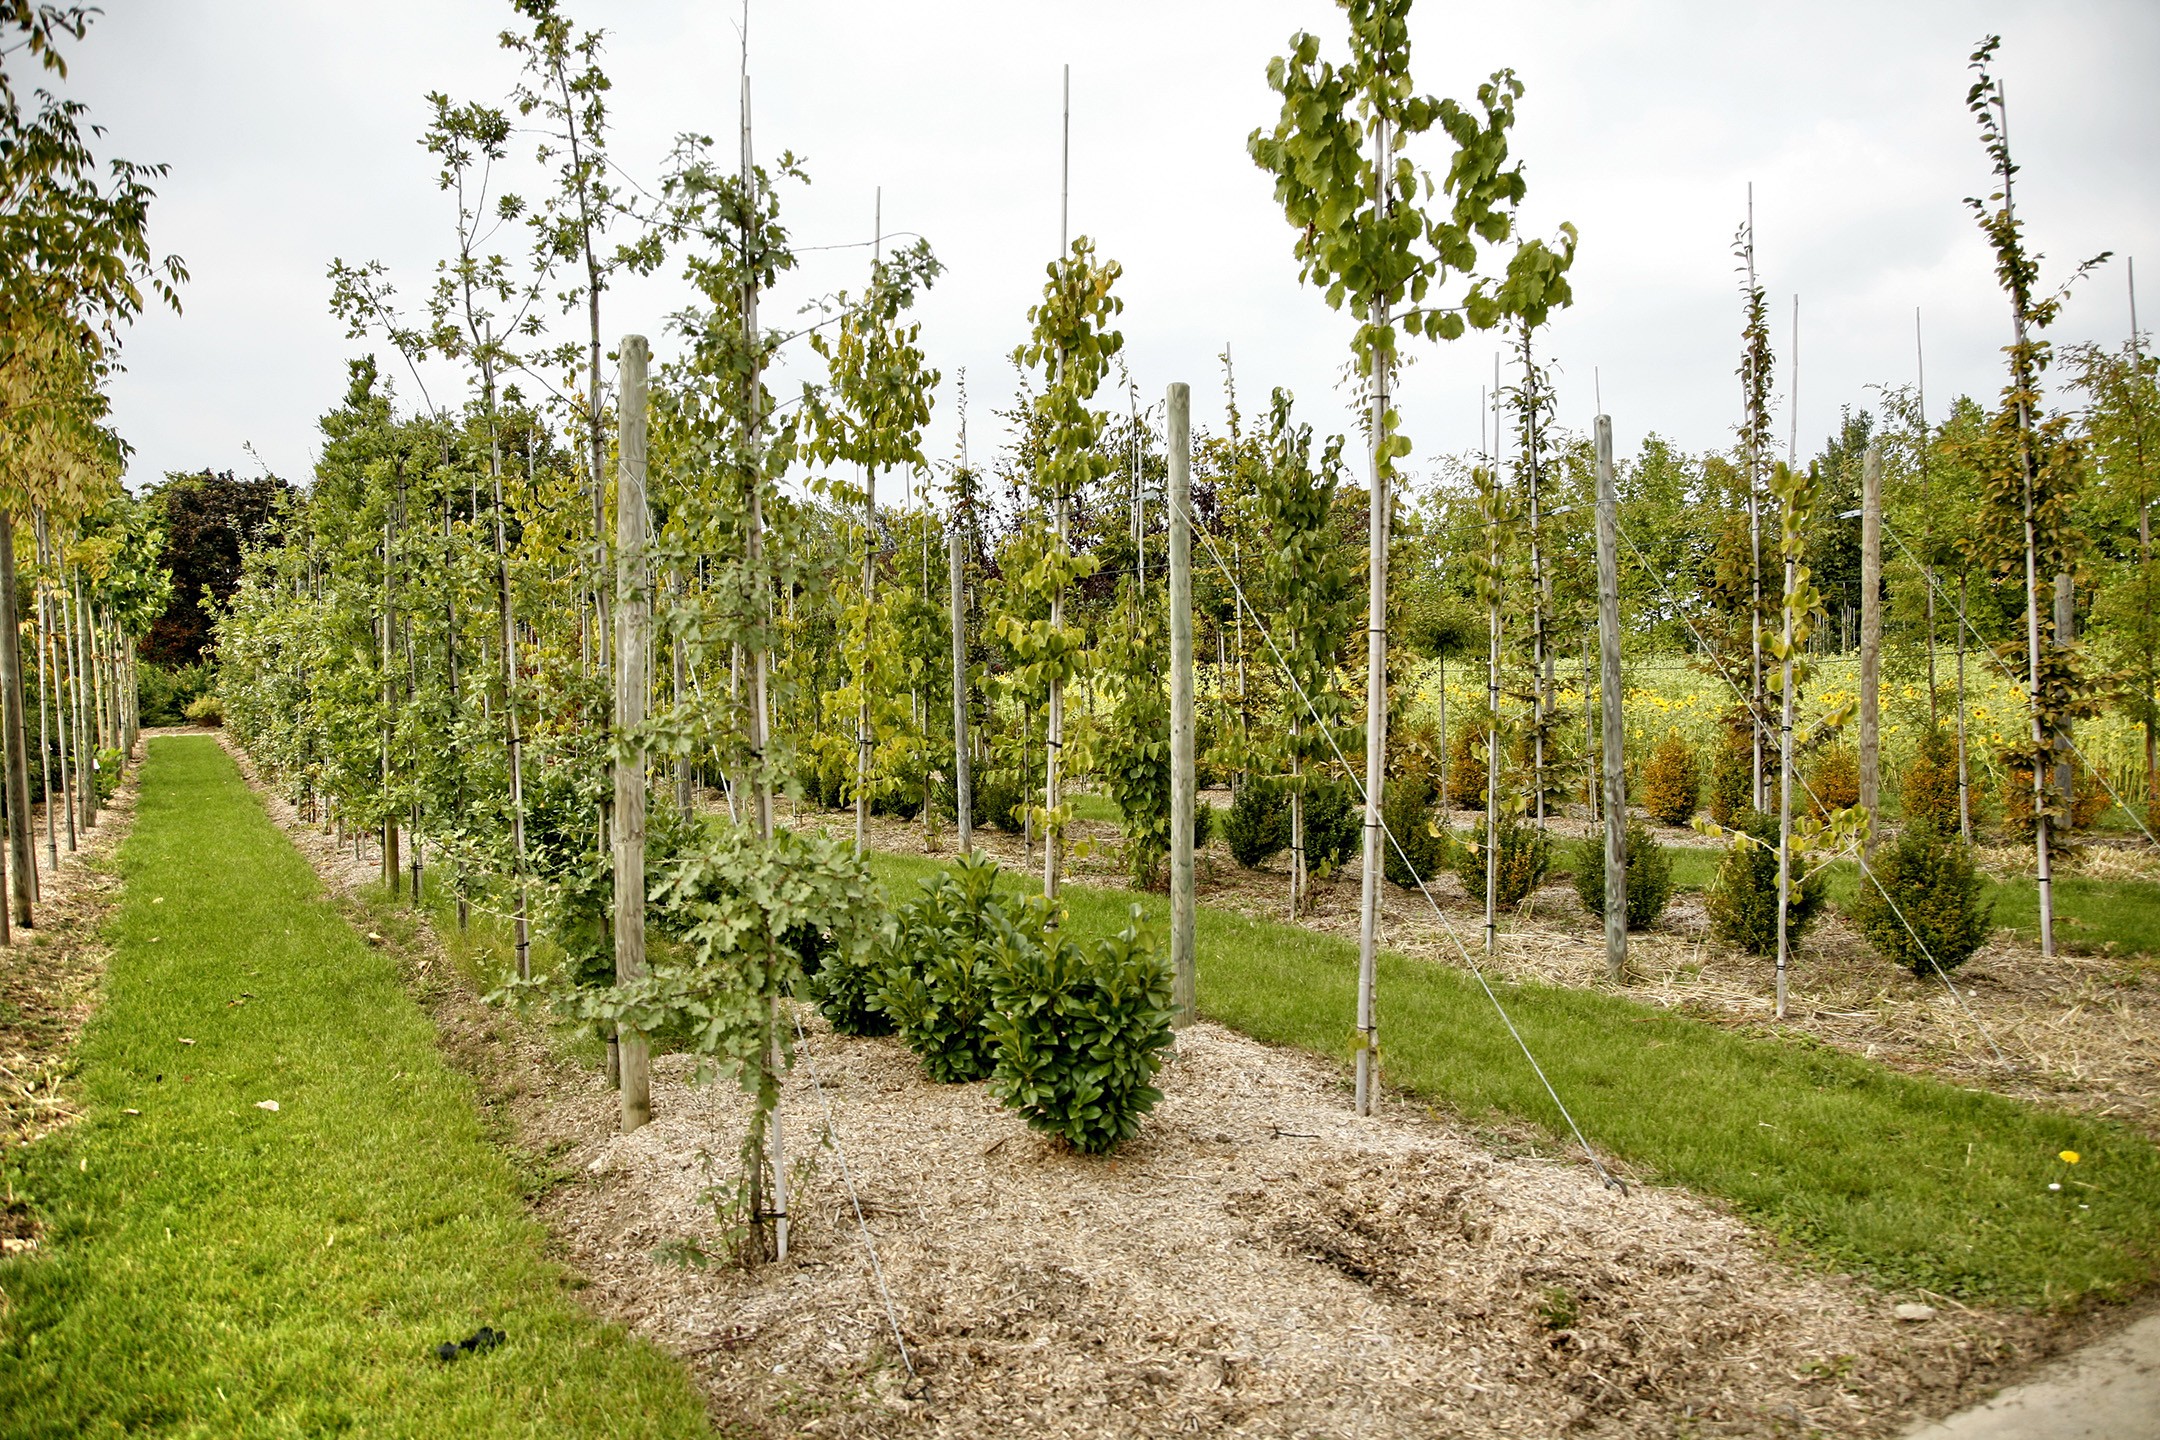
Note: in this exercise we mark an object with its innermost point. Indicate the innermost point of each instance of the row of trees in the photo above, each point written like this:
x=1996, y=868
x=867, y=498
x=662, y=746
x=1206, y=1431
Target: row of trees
x=79, y=557
x=442, y=641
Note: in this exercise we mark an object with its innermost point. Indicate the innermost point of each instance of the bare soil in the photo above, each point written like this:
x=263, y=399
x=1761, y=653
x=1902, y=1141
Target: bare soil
x=1258, y=1263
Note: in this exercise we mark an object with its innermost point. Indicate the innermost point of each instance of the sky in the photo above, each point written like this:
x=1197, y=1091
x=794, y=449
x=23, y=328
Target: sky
x=292, y=132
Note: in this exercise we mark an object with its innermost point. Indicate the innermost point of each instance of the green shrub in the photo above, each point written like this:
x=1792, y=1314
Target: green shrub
x=1525, y=854
x=1672, y=782
x=205, y=710
x=1203, y=823
x=999, y=802
x=1930, y=791
x=935, y=981
x=845, y=988
x=1407, y=809
x=108, y=773
x=1649, y=876
x=1080, y=1037
x=1334, y=825
x=1466, y=768
x=1732, y=778
x=1929, y=874
x=1834, y=782
x=1742, y=898
x=898, y=794
x=1258, y=824
x=163, y=693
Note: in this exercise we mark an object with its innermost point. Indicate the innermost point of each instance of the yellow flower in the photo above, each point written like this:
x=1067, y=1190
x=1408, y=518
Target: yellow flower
x=2069, y=1157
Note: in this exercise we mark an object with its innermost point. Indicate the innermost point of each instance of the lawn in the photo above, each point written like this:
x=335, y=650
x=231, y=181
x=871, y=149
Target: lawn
x=213, y=1267
x=1914, y=1182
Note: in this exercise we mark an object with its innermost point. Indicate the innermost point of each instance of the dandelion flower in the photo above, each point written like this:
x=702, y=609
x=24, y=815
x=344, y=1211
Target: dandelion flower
x=2069, y=1157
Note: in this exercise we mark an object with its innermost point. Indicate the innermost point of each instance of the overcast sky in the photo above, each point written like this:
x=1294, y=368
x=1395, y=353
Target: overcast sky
x=292, y=131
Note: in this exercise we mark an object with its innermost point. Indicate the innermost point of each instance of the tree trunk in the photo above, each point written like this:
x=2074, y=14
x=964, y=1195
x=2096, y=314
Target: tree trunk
x=1378, y=531
x=1871, y=642
x=22, y=853
x=963, y=778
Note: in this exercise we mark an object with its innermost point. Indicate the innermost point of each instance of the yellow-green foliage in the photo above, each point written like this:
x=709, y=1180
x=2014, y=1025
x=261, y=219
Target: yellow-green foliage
x=1672, y=782
x=1731, y=778
x=1466, y=768
x=1834, y=780
x=1525, y=855
x=1930, y=793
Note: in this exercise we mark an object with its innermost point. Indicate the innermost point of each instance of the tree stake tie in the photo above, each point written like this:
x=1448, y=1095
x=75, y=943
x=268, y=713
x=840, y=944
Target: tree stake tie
x=1865, y=868
x=832, y=1134
x=1610, y=1180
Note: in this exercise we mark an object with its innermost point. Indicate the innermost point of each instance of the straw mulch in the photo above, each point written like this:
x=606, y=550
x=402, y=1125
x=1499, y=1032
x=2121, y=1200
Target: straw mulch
x=2080, y=1032
x=1259, y=1262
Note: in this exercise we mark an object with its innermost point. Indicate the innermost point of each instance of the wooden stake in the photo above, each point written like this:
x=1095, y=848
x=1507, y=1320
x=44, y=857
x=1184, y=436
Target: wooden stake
x=1608, y=568
x=1871, y=641
x=633, y=622
x=1965, y=826
x=1183, y=777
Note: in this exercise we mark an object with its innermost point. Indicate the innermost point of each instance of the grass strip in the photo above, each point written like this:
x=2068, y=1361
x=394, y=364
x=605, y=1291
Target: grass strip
x=214, y=1268
x=1908, y=1180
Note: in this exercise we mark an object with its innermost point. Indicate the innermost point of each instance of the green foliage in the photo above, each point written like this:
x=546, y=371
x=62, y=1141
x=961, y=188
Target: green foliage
x=1930, y=792
x=1000, y=802
x=936, y=967
x=1927, y=906
x=1834, y=781
x=1732, y=777
x=163, y=693
x=1134, y=757
x=1525, y=854
x=1334, y=824
x=1672, y=782
x=1466, y=767
x=1203, y=823
x=1743, y=901
x=1079, y=1036
x=1257, y=825
x=206, y=710
x=1649, y=876
x=1410, y=819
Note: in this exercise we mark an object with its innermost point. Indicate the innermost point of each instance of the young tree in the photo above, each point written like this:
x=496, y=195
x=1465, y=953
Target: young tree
x=1366, y=243
x=2032, y=482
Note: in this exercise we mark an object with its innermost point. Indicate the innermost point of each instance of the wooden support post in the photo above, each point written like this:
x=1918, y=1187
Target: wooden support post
x=1615, y=726
x=1183, y=961
x=1871, y=642
x=963, y=777
x=633, y=623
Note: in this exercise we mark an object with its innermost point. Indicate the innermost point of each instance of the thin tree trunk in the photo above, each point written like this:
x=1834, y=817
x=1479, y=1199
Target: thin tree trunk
x=22, y=853
x=963, y=777
x=865, y=741
x=1871, y=643
x=1378, y=530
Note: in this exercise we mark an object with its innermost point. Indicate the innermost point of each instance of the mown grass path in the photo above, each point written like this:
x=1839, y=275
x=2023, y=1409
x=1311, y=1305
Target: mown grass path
x=211, y=1267
x=1910, y=1181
